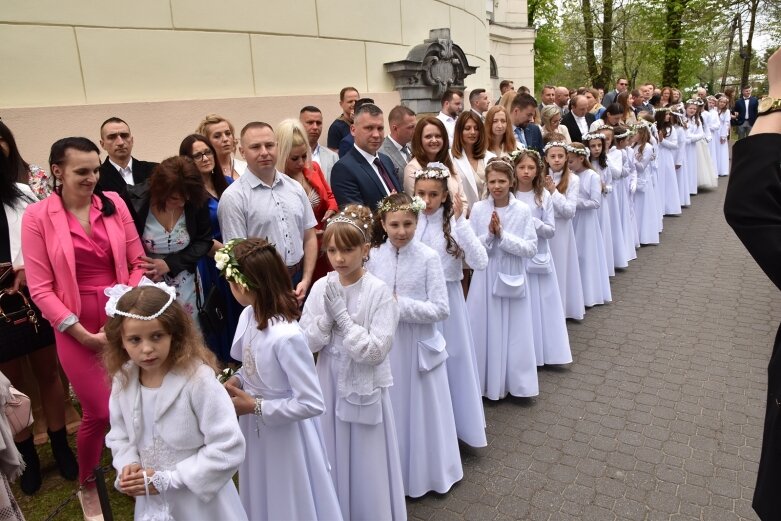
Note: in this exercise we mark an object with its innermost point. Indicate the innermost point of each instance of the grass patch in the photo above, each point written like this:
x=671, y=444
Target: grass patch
x=56, y=500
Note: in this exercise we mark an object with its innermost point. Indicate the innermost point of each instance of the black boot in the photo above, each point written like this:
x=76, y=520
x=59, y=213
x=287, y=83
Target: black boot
x=63, y=455
x=30, y=481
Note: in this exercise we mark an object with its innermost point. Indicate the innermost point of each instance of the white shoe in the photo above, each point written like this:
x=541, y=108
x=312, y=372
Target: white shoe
x=89, y=500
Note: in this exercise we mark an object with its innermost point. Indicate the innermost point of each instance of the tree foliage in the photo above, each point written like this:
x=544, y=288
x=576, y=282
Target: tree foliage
x=671, y=42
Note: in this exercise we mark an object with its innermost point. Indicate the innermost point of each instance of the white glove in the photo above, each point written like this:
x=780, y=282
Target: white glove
x=633, y=187
x=335, y=305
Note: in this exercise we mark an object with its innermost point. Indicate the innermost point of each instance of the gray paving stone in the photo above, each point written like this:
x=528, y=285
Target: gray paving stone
x=660, y=415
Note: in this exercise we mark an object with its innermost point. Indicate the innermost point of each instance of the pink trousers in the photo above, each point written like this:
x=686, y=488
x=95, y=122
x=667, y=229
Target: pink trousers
x=89, y=380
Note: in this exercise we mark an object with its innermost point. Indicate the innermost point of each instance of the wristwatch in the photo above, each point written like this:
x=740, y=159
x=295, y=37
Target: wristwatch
x=768, y=105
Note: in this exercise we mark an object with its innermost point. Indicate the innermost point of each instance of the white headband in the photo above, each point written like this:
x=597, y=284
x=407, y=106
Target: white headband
x=115, y=293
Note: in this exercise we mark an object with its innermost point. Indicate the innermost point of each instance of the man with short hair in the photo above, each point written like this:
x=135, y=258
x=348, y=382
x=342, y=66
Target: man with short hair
x=621, y=85
x=478, y=103
x=522, y=112
x=401, y=121
x=646, y=92
x=744, y=112
x=547, y=97
x=312, y=120
x=452, y=105
x=341, y=125
x=504, y=86
x=363, y=175
x=266, y=203
x=579, y=120
x=561, y=100
x=120, y=169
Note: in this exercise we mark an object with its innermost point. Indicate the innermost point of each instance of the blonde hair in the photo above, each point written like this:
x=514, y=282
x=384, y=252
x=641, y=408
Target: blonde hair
x=547, y=114
x=187, y=345
x=290, y=133
x=213, y=119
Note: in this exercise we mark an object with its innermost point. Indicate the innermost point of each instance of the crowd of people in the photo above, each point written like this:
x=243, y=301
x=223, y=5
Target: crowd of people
x=428, y=267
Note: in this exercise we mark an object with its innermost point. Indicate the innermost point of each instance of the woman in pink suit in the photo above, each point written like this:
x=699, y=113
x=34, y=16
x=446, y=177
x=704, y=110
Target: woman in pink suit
x=77, y=242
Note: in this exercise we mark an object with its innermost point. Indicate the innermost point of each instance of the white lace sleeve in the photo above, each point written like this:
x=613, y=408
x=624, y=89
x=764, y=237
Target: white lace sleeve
x=435, y=307
x=371, y=346
x=474, y=251
x=315, y=320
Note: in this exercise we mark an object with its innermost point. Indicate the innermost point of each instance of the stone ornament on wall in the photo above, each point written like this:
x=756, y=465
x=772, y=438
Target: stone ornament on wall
x=429, y=70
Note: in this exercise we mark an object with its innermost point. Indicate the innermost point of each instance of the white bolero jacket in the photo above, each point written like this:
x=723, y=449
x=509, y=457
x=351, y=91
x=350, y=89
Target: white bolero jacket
x=518, y=240
x=366, y=343
x=430, y=233
x=414, y=274
x=197, y=435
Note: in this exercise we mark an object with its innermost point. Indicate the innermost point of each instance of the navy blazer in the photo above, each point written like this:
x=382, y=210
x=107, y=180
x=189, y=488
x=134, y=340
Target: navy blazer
x=740, y=108
x=533, y=137
x=353, y=180
x=574, y=131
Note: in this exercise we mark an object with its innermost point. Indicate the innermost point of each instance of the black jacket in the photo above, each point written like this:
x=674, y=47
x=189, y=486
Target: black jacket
x=753, y=210
x=111, y=181
x=353, y=180
x=198, y=224
x=574, y=131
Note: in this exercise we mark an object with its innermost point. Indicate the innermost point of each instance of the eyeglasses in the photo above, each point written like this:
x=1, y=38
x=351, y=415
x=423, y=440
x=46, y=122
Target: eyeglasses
x=202, y=156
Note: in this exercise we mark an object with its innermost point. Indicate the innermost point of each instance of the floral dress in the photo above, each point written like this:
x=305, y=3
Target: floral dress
x=158, y=243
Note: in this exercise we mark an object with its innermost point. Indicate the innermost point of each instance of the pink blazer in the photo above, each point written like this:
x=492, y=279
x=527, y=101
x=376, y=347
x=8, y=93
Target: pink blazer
x=50, y=263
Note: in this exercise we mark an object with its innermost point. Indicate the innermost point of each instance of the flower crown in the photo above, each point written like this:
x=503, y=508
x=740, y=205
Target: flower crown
x=529, y=152
x=602, y=126
x=116, y=292
x=553, y=144
x=695, y=101
x=579, y=151
x=641, y=124
x=352, y=220
x=228, y=266
x=595, y=135
x=662, y=109
x=628, y=132
x=416, y=206
x=433, y=170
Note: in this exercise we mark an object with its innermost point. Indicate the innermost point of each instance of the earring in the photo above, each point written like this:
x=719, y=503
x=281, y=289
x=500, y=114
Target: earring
x=366, y=259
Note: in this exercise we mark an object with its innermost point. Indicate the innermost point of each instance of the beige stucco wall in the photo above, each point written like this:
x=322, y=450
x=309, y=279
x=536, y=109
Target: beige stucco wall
x=163, y=64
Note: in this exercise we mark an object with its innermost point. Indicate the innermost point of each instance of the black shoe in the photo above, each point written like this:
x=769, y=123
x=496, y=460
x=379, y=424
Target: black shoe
x=30, y=481
x=63, y=455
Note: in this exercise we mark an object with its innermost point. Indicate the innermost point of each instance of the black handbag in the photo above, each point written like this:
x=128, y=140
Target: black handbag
x=212, y=312
x=22, y=327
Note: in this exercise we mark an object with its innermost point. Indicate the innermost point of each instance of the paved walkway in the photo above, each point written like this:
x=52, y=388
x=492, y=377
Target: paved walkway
x=660, y=415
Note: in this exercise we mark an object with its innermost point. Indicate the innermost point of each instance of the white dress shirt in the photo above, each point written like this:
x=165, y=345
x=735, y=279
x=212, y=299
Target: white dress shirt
x=126, y=173
x=450, y=125
x=746, y=102
x=582, y=124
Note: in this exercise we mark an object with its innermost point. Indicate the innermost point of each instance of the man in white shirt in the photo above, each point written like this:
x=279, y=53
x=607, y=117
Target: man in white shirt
x=312, y=120
x=401, y=121
x=478, y=102
x=452, y=105
x=266, y=203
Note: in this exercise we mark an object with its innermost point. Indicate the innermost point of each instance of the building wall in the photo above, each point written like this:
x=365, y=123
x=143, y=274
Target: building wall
x=68, y=65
